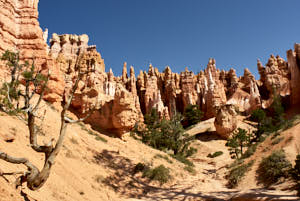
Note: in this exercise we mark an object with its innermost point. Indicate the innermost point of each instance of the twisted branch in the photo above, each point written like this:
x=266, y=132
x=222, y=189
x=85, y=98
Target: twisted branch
x=35, y=179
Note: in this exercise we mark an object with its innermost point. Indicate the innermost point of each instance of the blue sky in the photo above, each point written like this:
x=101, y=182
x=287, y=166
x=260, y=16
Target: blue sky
x=179, y=33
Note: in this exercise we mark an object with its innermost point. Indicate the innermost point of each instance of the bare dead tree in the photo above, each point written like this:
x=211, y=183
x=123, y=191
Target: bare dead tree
x=35, y=83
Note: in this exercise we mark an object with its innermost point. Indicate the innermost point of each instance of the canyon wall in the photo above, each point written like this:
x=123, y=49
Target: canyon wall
x=122, y=101
x=294, y=68
x=20, y=30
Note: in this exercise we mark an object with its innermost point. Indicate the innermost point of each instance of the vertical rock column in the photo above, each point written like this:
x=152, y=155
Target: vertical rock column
x=294, y=67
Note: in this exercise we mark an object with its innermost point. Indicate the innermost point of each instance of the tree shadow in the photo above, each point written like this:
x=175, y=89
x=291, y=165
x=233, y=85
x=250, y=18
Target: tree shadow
x=208, y=136
x=264, y=194
x=266, y=181
x=109, y=133
x=270, y=184
x=25, y=196
x=96, y=128
x=125, y=182
x=22, y=193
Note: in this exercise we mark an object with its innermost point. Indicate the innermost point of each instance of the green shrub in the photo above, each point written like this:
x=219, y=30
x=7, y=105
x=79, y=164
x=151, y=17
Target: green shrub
x=165, y=135
x=183, y=159
x=99, y=178
x=250, y=151
x=277, y=111
x=277, y=140
x=271, y=123
x=265, y=126
x=258, y=115
x=190, y=169
x=99, y=138
x=160, y=173
x=140, y=167
x=152, y=118
x=296, y=173
x=297, y=168
x=192, y=115
x=216, y=154
x=275, y=135
x=237, y=173
x=274, y=167
x=262, y=138
x=236, y=163
x=190, y=151
x=163, y=157
x=288, y=124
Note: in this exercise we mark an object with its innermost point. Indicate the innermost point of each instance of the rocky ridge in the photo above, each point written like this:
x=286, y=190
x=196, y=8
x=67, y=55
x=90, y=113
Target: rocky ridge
x=122, y=101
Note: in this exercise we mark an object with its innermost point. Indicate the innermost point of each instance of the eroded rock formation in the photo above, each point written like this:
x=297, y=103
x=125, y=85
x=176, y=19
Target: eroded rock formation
x=274, y=78
x=20, y=30
x=170, y=92
x=115, y=98
x=122, y=101
x=118, y=114
x=294, y=68
x=226, y=120
x=70, y=45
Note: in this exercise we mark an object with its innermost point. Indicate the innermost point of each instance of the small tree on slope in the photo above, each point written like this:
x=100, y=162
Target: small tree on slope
x=237, y=142
x=18, y=100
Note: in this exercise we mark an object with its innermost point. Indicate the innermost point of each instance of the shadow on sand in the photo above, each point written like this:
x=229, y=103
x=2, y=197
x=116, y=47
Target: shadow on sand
x=208, y=136
x=124, y=182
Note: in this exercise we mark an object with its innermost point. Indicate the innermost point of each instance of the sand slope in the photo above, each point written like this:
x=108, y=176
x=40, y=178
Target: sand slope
x=90, y=169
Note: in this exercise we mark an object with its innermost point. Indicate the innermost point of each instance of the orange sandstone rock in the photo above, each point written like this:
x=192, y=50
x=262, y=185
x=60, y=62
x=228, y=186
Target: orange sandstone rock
x=226, y=121
x=121, y=101
x=294, y=68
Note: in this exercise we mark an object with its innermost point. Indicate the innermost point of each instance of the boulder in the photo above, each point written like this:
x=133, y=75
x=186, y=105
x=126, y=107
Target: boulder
x=226, y=121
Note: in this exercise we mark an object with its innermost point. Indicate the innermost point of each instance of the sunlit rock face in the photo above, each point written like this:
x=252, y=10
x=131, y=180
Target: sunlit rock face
x=117, y=114
x=20, y=29
x=294, y=68
x=243, y=92
x=115, y=98
x=122, y=101
x=274, y=78
x=20, y=32
x=226, y=120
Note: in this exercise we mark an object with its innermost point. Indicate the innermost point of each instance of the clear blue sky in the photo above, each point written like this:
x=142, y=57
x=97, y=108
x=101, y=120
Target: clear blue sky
x=179, y=33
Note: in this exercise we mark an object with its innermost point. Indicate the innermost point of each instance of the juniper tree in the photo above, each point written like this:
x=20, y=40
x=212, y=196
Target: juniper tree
x=18, y=100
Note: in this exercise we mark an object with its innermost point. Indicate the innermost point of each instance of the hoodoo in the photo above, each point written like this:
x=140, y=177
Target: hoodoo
x=166, y=91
